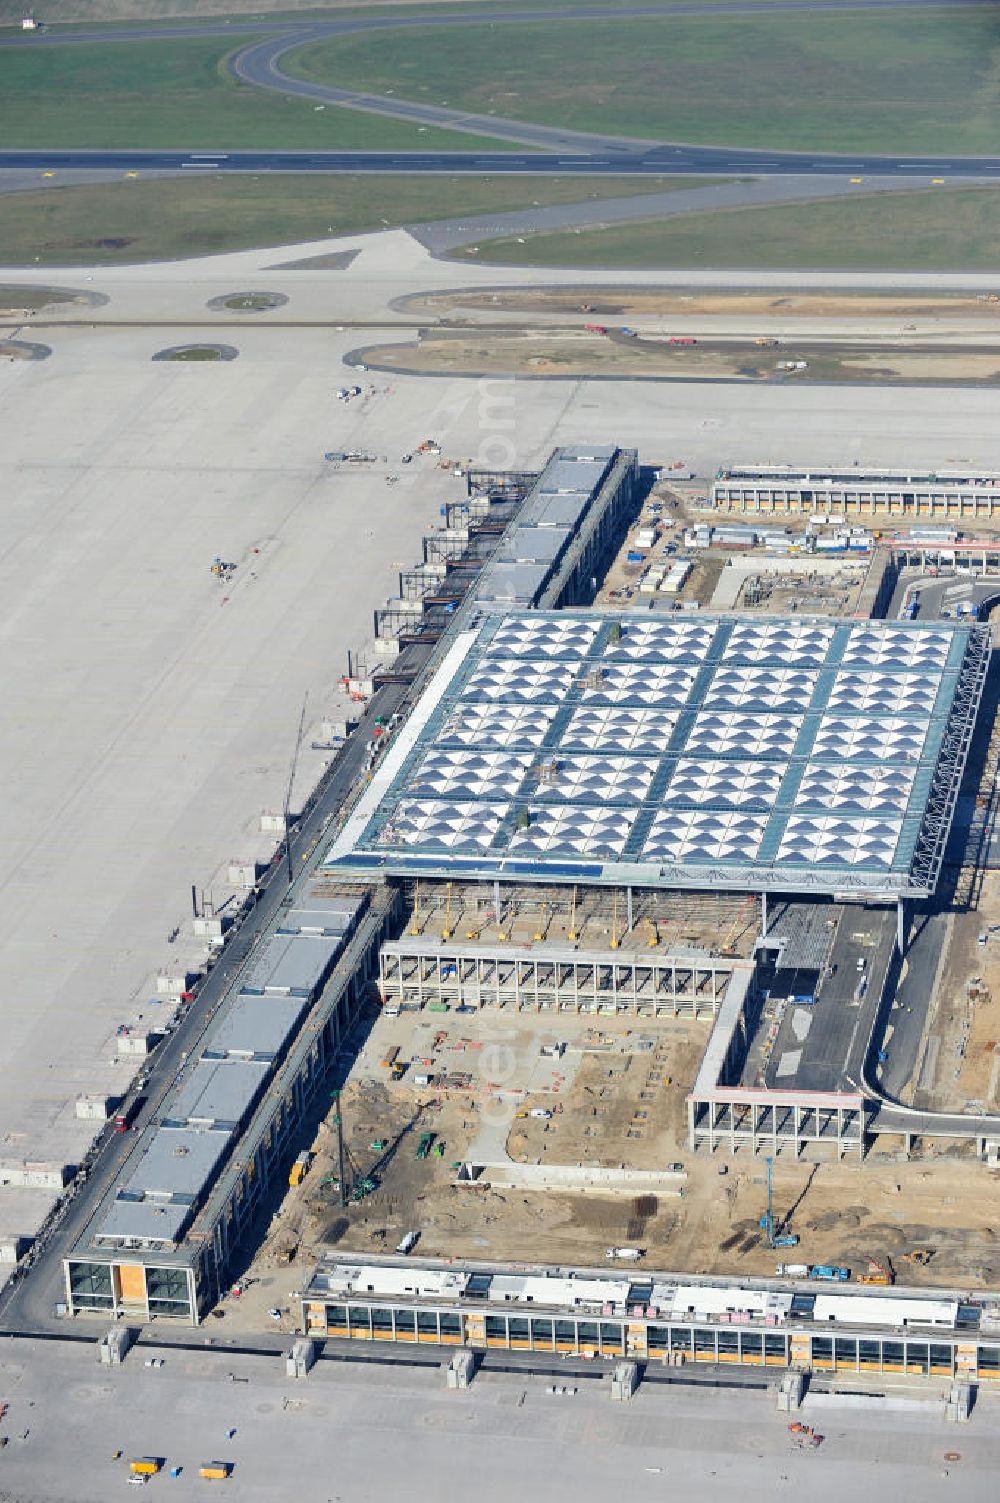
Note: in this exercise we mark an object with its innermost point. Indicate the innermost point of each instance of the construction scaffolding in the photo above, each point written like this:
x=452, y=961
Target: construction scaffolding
x=415, y=973
x=777, y=1122
x=950, y=496
x=597, y=917
x=501, y=484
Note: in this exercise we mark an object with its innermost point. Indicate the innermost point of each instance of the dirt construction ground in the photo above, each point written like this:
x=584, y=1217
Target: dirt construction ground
x=616, y=1095
x=960, y=1063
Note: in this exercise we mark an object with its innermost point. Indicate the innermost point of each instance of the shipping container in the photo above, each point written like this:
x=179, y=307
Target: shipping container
x=742, y=537
x=215, y=1471
x=933, y=535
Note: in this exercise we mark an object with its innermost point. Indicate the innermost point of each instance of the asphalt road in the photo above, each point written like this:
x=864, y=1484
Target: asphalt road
x=941, y=591
x=912, y=1002
x=840, y=1022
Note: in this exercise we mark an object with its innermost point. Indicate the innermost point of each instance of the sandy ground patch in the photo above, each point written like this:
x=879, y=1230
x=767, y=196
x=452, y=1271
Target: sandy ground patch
x=652, y=302
x=545, y=353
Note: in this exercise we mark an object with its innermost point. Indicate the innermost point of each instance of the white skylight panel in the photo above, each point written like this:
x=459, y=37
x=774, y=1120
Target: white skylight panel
x=595, y=779
x=602, y=726
x=513, y=681
x=442, y=824
x=803, y=643
x=789, y=689
x=471, y=773
x=543, y=638
x=897, y=646
x=737, y=785
x=674, y=641
x=873, y=740
x=727, y=734
x=596, y=834
x=860, y=788
x=658, y=684
x=831, y=840
x=679, y=836
x=884, y=692
x=487, y=725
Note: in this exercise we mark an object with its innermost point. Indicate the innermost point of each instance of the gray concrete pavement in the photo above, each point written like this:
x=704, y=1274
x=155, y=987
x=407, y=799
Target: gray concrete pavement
x=363, y=1435
x=151, y=710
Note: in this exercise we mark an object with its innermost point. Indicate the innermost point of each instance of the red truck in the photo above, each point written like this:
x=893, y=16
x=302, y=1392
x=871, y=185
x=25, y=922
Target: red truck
x=126, y=1114
x=595, y=328
x=681, y=339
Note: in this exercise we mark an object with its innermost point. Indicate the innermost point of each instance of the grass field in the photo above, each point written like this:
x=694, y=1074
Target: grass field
x=177, y=94
x=113, y=223
x=937, y=230
x=923, y=81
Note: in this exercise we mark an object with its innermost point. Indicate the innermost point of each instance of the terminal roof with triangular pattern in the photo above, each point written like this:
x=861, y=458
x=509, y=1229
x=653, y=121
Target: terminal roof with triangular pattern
x=688, y=750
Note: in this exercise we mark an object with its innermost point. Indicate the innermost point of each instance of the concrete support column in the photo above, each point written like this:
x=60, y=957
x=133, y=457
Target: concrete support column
x=901, y=926
x=763, y=914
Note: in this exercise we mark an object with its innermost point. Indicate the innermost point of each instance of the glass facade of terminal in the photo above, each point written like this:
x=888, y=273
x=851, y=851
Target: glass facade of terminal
x=565, y=1334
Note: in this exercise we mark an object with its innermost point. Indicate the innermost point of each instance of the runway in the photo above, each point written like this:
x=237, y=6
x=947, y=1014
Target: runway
x=674, y=161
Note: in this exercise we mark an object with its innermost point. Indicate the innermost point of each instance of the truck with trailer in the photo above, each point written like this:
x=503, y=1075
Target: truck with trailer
x=300, y=1168
x=215, y=1471
x=127, y=1113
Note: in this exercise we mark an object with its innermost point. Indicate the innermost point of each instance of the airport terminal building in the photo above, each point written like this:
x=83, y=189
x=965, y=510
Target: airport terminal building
x=623, y=754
